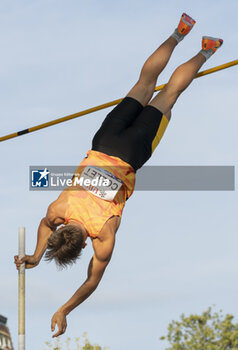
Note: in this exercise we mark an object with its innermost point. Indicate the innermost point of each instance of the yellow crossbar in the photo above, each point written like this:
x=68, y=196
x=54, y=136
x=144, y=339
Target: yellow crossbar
x=103, y=106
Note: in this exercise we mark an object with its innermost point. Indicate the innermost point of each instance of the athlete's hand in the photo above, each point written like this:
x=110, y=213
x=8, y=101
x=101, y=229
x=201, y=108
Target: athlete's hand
x=58, y=319
x=29, y=260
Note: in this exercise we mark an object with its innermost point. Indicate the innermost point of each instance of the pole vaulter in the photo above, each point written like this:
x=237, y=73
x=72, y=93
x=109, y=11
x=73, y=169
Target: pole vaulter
x=125, y=141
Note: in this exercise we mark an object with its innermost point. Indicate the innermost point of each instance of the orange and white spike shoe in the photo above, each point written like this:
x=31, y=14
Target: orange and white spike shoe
x=210, y=45
x=185, y=25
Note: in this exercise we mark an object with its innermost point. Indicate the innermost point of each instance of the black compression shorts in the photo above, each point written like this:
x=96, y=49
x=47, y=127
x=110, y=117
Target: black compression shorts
x=130, y=132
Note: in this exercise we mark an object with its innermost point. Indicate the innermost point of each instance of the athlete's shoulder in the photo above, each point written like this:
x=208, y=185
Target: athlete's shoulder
x=110, y=227
x=104, y=243
x=56, y=212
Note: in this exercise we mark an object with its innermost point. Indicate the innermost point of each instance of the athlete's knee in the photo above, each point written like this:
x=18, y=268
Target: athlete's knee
x=173, y=90
x=170, y=95
x=165, y=100
x=142, y=92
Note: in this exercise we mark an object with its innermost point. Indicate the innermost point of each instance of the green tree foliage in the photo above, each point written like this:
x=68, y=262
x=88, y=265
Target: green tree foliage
x=209, y=331
x=57, y=345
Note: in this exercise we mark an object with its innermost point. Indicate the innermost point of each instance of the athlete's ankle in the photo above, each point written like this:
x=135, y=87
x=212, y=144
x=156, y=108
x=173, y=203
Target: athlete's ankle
x=210, y=45
x=177, y=36
x=184, y=27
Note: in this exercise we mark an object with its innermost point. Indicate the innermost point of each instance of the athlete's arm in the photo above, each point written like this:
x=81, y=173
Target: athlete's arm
x=96, y=270
x=44, y=232
x=47, y=225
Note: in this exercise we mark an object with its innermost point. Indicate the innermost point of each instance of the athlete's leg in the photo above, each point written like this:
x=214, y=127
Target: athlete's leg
x=183, y=76
x=143, y=90
x=148, y=128
x=179, y=81
x=154, y=65
x=111, y=137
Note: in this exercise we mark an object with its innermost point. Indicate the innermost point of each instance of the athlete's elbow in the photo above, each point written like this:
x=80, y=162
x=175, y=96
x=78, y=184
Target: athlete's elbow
x=93, y=283
x=46, y=222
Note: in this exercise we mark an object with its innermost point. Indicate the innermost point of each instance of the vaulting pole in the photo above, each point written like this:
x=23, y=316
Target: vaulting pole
x=21, y=290
x=105, y=105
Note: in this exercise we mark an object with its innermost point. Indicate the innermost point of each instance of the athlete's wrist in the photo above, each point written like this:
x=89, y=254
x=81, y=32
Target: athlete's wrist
x=64, y=309
x=37, y=256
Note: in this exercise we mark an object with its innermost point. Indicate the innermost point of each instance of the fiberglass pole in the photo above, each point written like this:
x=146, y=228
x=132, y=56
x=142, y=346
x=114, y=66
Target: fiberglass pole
x=21, y=290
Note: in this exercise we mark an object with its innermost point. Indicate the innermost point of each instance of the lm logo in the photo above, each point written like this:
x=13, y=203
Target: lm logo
x=40, y=178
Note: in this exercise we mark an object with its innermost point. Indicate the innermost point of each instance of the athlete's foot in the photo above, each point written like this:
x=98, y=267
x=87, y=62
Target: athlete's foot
x=185, y=25
x=210, y=46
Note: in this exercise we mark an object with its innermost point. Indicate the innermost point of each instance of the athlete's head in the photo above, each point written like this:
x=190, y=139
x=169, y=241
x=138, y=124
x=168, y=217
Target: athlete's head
x=65, y=244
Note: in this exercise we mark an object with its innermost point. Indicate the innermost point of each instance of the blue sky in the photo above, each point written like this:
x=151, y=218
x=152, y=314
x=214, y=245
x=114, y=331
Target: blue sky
x=176, y=251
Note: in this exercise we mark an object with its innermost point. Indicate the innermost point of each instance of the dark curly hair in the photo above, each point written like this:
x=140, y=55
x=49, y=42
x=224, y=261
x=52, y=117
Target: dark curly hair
x=65, y=245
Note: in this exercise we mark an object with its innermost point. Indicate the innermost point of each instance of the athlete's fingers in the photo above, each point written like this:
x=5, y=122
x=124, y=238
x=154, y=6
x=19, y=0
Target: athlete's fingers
x=58, y=319
x=17, y=261
x=65, y=326
x=53, y=323
x=56, y=334
x=24, y=258
x=60, y=331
